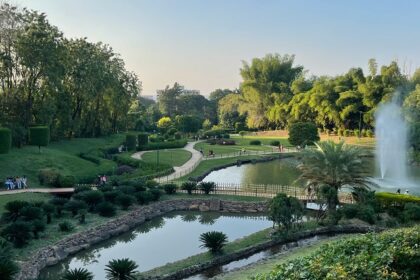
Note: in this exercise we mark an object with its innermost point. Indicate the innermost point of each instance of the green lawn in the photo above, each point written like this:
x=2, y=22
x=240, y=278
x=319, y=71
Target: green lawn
x=30, y=197
x=173, y=157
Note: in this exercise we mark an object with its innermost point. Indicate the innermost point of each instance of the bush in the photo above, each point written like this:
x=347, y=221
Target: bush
x=30, y=213
x=8, y=265
x=79, y=189
x=217, y=133
x=106, y=209
x=48, y=210
x=170, y=188
x=411, y=212
x=48, y=177
x=349, y=211
x=58, y=203
x=303, y=133
x=240, y=126
x=356, y=133
x=110, y=196
x=213, y=240
x=275, y=143
x=189, y=186
x=74, y=206
x=124, y=169
x=77, y=274
x=14, y=209
x=177, y=136
x=393, y=200
x=366, y=213
x=207, y=187
x=156, y=194
x=65, y=226
x=39, y=136
x=143, y=197
x=19, y=233
x=142, y=139
x=5, y=140
x=92, y=198
x=66, y=181
x=164, y=145
x=242, y=133
x=369, y=133
x=127, y=189
x=346, y=133
x=125, y=200
x=285, y=211
x=255, y=142
x=122, y=160
x=130, y=142
x=37, y=226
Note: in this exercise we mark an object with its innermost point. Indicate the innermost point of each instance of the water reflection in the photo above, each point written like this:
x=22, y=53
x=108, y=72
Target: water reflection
x=161, y=240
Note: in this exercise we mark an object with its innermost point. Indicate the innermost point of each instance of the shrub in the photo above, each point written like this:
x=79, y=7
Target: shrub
x=8, y=267
x=121, y=160
x=77, y=274
x=19, y=233
x=275, y=143
x=170, y=188
x=92, y=198
x=74, y=206
x=65, y=226
x=79, y=189
x=130, y=142
x=242, y=133
x=39, y=136
x=48, y=210
x=218, y=133
x=189, y=186
x=106, y=209
x=151, y=184
x=390, y=200
x=213, y=240
x=48, y=177
x=285, y=211
x=142, y=139
x=340, y=132
x=110, y=196
x=124, y=169
x=240, y=126
x=90, y=158
x=5, y=140
x=177, y=136
x=125, y=200
x=14, y=209
x=369, y=133
x=356, y=133
x=411, y=212
x=349, y=211
x=156, y=194
x=66, y=181
x=121, y=269
x=58, y=203
x=37, y=226
x=207, y=187
x=303, y=133
x=346, y=133
x=255, y=142
x=366, y=213
x=30, y=213
x=164, y=145
x=143, y=197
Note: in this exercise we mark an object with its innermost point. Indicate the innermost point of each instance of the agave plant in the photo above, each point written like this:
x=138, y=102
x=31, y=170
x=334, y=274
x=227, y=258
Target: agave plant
x=121, y=269
x=189, y=186
x=213, y=240
x=207, y=187
x=77, y=274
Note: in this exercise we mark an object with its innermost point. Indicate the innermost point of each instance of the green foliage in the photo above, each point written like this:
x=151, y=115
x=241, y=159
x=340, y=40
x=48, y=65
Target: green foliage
x=8, y=267
x=303, y=133
x=125, y=200
x=189, y=186
x=77, y=274
x=66, y=181
x=389, y=200
x=214, y=133
x=188, y=123
x=411, y=212
x=275, y=143
x=242, y=133
x=121, y=269
x=19, y=233
x=5, y=140
x=213, y=240
x=144, y=197
x=39, y=136
x=164, y=123
x=285, y=211
x=156, y=194
x=255, y=142
x=387, y=255
x=48, y=177
x=74, y=206
x=106, y=209
x=92, y=198
x=142, y=139
x=65, y=226
x=177, y=136
x=130, y=142
x=170, y=188
x=207, y=187
x=14, y=209
x=37, y=226
x=165, y=145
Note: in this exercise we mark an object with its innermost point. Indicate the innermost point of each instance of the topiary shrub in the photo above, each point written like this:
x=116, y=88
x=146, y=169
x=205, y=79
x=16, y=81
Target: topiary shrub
x=170, y=188
x=124, y=169
x=74, y=206
x=255, y=142
x=92, y=198
x=130, y=142
x=39, y=136
x=156, y=194
x=213, y=240
x=5, y=140
x=125, y=200
x=177, y=136
x=110, y=196
x=143, y=197
x=142, y=139
x=48, y=177
x=189, y=186
x=37, y=226
x=67, y=181
x=275, y=143
x=14, y=209
x=106, y=209
x=411, y=212
x=65, y=226
x=303, y=133
x=285, y=211
x=207, y=187
x=19, y=233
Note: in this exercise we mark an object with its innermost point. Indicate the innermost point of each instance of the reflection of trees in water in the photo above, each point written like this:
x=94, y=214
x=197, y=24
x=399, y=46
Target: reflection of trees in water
x=55, y=272
x=208, y=218
x=154, y=223
x=189, y=217
x=282, y=172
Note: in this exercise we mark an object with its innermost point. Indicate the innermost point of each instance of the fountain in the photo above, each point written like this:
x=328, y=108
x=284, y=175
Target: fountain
x=391, y=142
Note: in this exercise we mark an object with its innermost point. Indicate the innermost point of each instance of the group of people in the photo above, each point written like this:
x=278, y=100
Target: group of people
x=102, y=179
x=406, y=191
x=12, y=183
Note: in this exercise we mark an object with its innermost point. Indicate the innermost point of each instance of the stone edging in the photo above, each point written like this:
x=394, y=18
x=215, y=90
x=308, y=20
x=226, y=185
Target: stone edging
x=292, y=242
x=239, y=161
x=74, y=243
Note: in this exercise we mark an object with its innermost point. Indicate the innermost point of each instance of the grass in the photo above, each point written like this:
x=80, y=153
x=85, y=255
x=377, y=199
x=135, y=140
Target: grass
x=269, y=264
x=173, y=157
x=30, y=197
x=62, y=156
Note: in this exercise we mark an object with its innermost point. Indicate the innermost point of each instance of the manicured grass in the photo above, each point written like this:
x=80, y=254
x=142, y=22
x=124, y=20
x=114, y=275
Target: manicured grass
x=269, y=264
x=173, y=157
x=30, y=197
x=62, y=156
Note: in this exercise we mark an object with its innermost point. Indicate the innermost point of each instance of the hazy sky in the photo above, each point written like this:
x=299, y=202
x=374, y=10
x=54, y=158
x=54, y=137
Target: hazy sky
x=201, y=43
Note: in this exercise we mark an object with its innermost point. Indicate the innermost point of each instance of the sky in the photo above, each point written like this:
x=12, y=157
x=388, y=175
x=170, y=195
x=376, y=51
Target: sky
x=201, y=43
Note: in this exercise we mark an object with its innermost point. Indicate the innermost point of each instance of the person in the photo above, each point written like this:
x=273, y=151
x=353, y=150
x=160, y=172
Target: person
x=24, y=182
x=18, y=182
x=201, y=152
x=243, y=150
x=398, y=191
x=104, y=179
x=406, y=192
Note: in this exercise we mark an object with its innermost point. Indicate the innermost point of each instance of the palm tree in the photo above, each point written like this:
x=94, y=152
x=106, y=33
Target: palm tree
x=77, y=274
x=213, y=240
x=121, y=269
x=333, y=166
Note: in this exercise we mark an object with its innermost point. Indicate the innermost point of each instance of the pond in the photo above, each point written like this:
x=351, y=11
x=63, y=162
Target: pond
x=169, y=238
x=285, y=172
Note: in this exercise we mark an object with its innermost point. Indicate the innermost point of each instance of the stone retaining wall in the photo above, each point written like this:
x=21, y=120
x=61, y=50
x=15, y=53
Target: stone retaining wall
x=74, y=243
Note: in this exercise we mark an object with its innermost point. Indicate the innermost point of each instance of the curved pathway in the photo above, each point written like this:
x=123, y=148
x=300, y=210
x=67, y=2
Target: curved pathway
x=40, y=190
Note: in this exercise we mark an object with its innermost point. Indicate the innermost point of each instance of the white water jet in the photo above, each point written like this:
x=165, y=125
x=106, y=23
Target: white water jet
x=391, y=142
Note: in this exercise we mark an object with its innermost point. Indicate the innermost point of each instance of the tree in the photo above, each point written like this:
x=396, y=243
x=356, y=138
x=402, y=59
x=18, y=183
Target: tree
x=207, y=125
x=301, y=134
x=19, y=233
x=285, y=211
x=5, y=140
x=412, y=105
x=188, y=123
x=334, y=166
x=130, y=142
x=77, y=274
x=164, y=123
x=39, y=136
x=121, y=269
x=213, y=240
x=167, y=99
x=142, y=139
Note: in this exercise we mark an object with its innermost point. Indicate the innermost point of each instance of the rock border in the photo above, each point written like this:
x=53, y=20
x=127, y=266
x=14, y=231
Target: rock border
x=74, y=243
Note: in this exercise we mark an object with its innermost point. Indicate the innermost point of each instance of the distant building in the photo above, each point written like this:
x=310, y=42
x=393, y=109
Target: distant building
x=190, y=92
x=150, y=97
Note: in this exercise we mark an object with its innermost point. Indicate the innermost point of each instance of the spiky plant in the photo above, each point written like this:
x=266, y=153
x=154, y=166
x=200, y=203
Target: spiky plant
x=77, y=274
x=207, y=187
x=121, y=269
x=213, y=240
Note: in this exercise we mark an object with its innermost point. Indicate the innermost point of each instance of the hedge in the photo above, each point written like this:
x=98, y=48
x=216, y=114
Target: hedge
x=142, y=139
x=39, y=136
x=5, y=140
x=393, y=199
x=255, y=142
x=164, y=145
x=130, y=142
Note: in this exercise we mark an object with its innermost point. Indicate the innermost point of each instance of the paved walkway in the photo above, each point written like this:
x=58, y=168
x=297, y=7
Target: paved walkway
x=41, y=190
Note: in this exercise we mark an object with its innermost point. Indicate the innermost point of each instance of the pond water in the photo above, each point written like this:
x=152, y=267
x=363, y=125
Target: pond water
x=285, y=172
x=169, y=238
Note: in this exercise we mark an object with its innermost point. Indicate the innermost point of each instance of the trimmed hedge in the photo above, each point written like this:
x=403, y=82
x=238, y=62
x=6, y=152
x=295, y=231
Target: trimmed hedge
x=164, y=145
x=39, y=136
x=275, y=143
x=130, y=142
x=142, y=139
x=255, y=142
x=395, y=200
x=5, y=140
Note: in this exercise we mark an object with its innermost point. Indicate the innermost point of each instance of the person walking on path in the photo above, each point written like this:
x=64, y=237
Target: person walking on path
x=24, y=182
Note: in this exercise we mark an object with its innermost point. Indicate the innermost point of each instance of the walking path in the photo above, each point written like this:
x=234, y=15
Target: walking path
x=41, y=190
